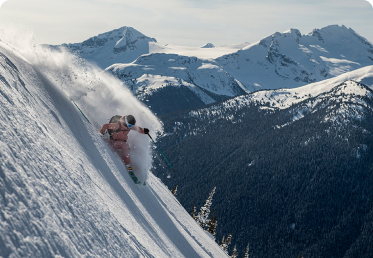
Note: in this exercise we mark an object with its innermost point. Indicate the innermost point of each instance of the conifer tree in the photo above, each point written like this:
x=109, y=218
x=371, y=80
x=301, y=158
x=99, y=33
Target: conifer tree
x=234, y=253
x=226, y=242
x=174, y=190
x=205, y=211
x=222, y=241
x=247, y=251
x=194, y=212
x=212, y=224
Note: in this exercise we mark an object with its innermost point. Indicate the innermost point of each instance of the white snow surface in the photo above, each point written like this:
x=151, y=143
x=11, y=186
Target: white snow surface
x=205, y=52
x=63, y=191
x=125, y=45
x=205, y=73
x=121, y=45
x=287, y=59
x=290, y=59
x=147, y=84
x=285, y=98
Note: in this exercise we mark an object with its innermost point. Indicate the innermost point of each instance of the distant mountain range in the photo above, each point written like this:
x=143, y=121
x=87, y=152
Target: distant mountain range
x=282, y=60
x=291, y=59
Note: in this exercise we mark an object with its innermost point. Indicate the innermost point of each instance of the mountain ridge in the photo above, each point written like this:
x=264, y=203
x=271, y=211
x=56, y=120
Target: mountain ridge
x=287, y=59
x=297, y=59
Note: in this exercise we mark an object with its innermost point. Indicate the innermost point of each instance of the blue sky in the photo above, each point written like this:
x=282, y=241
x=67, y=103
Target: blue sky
x=184, y=22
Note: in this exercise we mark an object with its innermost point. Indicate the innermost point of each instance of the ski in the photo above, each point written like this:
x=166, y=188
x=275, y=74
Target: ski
x=134, y=178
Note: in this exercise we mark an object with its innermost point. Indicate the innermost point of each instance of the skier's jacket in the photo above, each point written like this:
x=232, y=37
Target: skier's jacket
x=120, y=130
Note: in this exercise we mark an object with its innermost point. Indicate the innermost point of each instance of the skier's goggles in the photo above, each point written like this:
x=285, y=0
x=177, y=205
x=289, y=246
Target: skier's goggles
x=129, y=125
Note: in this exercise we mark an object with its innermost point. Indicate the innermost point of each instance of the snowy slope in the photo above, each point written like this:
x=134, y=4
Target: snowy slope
x=291, y=59
x=346, y=84
x=126, y=44
x=63, y=192
x=284, y=98
x=170, y=82
x=205, y=73
x=205, y=52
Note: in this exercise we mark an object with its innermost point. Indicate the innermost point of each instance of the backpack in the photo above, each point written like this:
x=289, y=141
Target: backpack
x=114, y=119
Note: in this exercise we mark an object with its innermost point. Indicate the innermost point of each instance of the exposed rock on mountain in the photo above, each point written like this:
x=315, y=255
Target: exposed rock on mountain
x=122, y=45
x=291, y=59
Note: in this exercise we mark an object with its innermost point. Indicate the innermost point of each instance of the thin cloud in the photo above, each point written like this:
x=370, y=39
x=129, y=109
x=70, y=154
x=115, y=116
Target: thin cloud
x=187, y=22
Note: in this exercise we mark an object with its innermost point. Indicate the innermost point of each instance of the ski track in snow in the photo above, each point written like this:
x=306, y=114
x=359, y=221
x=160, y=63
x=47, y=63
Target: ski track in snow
x=63, y=191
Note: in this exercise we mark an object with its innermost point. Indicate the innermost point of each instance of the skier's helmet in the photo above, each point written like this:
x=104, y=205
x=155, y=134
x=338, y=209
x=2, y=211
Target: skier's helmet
x=131, y=119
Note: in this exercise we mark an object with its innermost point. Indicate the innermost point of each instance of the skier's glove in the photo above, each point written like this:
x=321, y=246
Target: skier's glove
x=146, y=130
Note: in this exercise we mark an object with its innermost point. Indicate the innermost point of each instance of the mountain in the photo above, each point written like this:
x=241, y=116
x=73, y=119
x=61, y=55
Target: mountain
x=171, y=78
x=125, y=45
x=287, y=59
x=291, y=59
x=200, y=81
x=170, y=82
x=122, y=45
x=208, y=45
x=63, y=191
x=292, y=167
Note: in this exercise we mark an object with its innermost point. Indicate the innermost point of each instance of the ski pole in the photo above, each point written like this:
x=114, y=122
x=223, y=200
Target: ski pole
x=80, y=111
x=161, y=152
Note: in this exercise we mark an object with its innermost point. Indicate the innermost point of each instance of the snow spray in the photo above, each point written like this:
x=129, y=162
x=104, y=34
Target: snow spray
x=98, y=94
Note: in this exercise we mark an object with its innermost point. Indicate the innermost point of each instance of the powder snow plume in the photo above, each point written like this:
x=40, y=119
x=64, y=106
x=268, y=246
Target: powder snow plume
x=98, y=94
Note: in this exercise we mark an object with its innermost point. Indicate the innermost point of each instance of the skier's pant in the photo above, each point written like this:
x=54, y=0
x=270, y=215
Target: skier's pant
x=123, y=145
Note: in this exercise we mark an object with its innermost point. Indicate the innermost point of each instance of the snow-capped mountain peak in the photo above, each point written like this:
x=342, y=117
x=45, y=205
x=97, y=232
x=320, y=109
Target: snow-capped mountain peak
x=208, y=45
x=335, y=34
x=122, y=37
x=121, y=45
x=295, y=33
x=291, y=59
x=129, y=39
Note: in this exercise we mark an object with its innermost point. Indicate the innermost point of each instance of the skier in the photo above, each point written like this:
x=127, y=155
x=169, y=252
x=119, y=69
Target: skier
x=119, y=134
